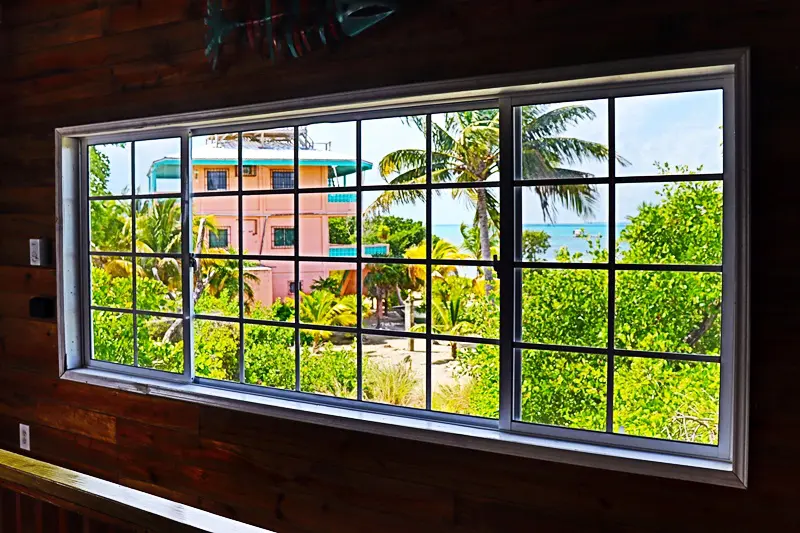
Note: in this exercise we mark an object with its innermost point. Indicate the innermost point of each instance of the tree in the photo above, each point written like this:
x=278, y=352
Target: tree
x=342, y=230
x=324, y=309
x=534, y=244
x=466, y=149
x=399, y=233
x=381, y=279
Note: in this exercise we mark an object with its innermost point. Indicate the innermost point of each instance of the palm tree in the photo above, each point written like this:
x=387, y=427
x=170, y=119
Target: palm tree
x=449, y=318
x=325, y=309
x=380, y=280
x=466, y=149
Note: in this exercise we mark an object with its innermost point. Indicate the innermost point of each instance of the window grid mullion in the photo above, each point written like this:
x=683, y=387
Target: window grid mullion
x=187, y=260
x=612, y=261
x=429, y=267
x=296, y=200
x=134, y=273
x=239, y=198
x=359, y=265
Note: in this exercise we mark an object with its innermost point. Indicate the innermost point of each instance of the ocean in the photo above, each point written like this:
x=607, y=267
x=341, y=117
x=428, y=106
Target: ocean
x=560, y=235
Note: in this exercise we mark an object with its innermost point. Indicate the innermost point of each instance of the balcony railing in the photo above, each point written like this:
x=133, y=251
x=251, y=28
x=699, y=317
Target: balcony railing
x=370, y=250
x=342, y=198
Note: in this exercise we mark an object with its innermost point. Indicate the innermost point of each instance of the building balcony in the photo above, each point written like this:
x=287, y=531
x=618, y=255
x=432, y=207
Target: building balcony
x=370, y=250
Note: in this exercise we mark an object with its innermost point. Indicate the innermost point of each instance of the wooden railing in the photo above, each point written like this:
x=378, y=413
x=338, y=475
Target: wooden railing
x=42, y=497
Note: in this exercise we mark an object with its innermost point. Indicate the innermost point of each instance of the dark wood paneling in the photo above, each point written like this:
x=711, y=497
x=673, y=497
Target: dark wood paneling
x=70, y=62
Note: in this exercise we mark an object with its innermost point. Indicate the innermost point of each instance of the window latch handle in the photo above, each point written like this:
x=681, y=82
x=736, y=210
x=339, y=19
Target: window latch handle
x=496, y=266
x=193, y=261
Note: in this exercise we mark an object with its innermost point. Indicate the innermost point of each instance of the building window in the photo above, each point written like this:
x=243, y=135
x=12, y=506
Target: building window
x=217, y=180
x=249, y=170
x=282, y=179
x=282, y=237
x=218, y=238
x=601, y=218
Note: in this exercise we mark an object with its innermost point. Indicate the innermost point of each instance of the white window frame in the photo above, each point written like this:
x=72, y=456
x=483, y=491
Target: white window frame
x=725, y=464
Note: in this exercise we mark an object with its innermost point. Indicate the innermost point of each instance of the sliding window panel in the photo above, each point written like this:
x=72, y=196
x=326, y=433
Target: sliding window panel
x=564, y=140
x=674, y=400
x=563, y=389
x=159, y=342
x=670, y=133
x=157, y=167
x=216, y=350
x=110, y=168
x=394, y=370
x=269, y=356
x=327, y=155
x=394, y=151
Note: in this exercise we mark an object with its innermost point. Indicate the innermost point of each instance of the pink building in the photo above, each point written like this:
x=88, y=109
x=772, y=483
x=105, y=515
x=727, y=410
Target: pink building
x=268, y=219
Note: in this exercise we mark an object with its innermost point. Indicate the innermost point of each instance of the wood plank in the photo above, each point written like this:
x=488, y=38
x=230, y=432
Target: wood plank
x=28, y=280
x=55, y=32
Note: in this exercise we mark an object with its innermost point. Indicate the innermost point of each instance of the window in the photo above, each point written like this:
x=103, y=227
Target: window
x=602, y=219
x=282, y=179
x=217, y=180
x=218, y=238
x=282, y=237
x=249, y=170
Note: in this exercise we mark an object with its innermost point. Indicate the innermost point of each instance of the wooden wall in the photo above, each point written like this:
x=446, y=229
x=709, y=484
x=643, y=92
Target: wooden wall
x=67, y=62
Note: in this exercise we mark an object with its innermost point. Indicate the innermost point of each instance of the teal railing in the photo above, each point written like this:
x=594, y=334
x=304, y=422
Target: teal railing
x=370, y=250
x=342, y=198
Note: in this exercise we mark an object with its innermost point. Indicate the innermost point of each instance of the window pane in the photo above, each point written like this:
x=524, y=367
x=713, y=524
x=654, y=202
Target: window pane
x=565, y=140
x=393, y=227
x=216, y=222
x=112, y=337
x=268, y=159
x=566, y=223
x=669, y=311
x=466, y=379
x=158, y=226
x=158, y=166
x=564, y=389
x=269, y=356
x=110, y=225
x=268, y=224
x=465, y=301
x=675, y=400
x=270, y=283
x=394, y=150
x=394, y=370
x=672, y=223
x=160, y=343
x=216, y=350
x=217, y=288
x=110, y=169
x=215, y=162
x=328, y=364
x=664, y=132
x=327, y=294
x=112, y=284
x=566, y=307
x=466, y=224
x=466, y=146
x=395, y=297
x=328, y=225
x=328, y=155
x=158, y=284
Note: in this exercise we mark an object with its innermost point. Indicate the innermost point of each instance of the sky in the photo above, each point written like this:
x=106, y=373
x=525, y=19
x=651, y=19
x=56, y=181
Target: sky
x=681, y=129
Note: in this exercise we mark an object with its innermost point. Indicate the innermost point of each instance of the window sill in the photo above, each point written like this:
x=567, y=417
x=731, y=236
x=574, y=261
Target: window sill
x=491, y=440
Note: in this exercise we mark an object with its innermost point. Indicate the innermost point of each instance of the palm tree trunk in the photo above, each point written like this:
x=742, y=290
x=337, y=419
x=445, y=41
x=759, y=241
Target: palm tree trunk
x=483, y=229
x=454, y=350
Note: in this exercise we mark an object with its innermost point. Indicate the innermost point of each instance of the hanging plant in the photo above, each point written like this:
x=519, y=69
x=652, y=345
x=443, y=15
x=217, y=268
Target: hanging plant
x=290, y=28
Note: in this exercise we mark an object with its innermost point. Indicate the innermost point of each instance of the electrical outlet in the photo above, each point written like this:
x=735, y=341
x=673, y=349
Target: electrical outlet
x=25, y=437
